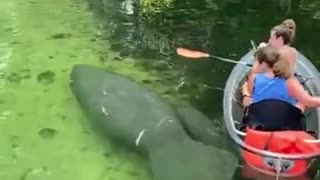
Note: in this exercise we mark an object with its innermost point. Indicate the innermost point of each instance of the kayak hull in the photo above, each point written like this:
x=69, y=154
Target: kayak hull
x=281, y=142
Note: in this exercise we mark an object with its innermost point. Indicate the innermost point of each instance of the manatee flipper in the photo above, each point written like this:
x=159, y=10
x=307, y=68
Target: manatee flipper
x=134, y=116
x=201, y=128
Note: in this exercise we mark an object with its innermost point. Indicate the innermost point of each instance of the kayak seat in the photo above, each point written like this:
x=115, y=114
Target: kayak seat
x=273, y=115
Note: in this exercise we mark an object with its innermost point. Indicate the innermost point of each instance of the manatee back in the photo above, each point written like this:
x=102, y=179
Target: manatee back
x=122, y=107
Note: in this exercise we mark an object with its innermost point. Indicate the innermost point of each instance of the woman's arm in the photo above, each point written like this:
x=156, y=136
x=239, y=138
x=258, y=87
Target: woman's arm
x=297, y=91
x=245, y=90
x=247, y=99
x=248, y=87
x=255, y=69
x=251, y=82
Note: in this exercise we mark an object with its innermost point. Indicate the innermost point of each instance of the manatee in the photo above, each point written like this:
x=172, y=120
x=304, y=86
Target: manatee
x=136, y=117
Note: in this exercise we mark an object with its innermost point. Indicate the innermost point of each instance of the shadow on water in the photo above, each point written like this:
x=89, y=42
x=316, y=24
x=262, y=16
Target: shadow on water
x=224, y=28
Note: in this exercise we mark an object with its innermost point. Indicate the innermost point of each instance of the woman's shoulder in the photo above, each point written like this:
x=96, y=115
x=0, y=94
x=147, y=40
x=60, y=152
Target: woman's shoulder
x=289, y=52
x=292, y=81
x=292, y=49
x=288, y=49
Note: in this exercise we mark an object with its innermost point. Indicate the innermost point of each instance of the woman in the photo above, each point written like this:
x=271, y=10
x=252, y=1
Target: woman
x=281, y=37
x=275, y=92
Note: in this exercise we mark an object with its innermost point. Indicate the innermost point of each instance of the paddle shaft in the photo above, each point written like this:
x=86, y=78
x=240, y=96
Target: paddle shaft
x=230, y=60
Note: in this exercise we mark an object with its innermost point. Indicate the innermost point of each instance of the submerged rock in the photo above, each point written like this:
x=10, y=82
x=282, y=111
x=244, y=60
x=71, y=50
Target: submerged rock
x=146, y=81
x=14, y=140
x=117, y=58
x=46, y=77
x=48, y=133
x=61, y=36
x=14, y=78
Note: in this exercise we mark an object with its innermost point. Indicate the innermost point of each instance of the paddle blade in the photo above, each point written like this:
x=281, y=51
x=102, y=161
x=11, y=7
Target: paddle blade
x=191, y=54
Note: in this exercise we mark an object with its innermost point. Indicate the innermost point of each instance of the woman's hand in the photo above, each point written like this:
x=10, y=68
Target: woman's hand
x=247, y=100
x=263, y=44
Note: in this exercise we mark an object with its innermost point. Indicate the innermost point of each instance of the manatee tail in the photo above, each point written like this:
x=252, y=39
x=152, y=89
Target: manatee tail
x=191, y=160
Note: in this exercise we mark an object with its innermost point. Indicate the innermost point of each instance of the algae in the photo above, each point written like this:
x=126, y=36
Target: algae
x=42, y=130
x=44, y=133
x=150, y=7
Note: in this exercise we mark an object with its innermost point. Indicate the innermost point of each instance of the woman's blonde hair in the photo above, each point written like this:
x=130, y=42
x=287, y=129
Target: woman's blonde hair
x=271, y=56
x=291, y=25
x=287, y=30
x=282, y=68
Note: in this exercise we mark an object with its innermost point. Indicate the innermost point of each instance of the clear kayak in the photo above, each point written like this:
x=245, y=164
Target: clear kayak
x=290, y=154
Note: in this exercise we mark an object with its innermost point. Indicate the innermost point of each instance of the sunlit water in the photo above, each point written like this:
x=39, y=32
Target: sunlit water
x=44, y=134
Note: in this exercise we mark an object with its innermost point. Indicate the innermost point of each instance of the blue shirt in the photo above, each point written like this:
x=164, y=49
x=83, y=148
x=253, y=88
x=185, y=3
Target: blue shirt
x=271, y=88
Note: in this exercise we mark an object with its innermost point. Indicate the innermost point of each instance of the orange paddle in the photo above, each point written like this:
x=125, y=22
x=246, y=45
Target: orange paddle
x=197, y=54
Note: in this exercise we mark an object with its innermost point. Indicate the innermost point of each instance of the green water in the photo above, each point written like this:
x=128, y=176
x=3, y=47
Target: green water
x=44, y=134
